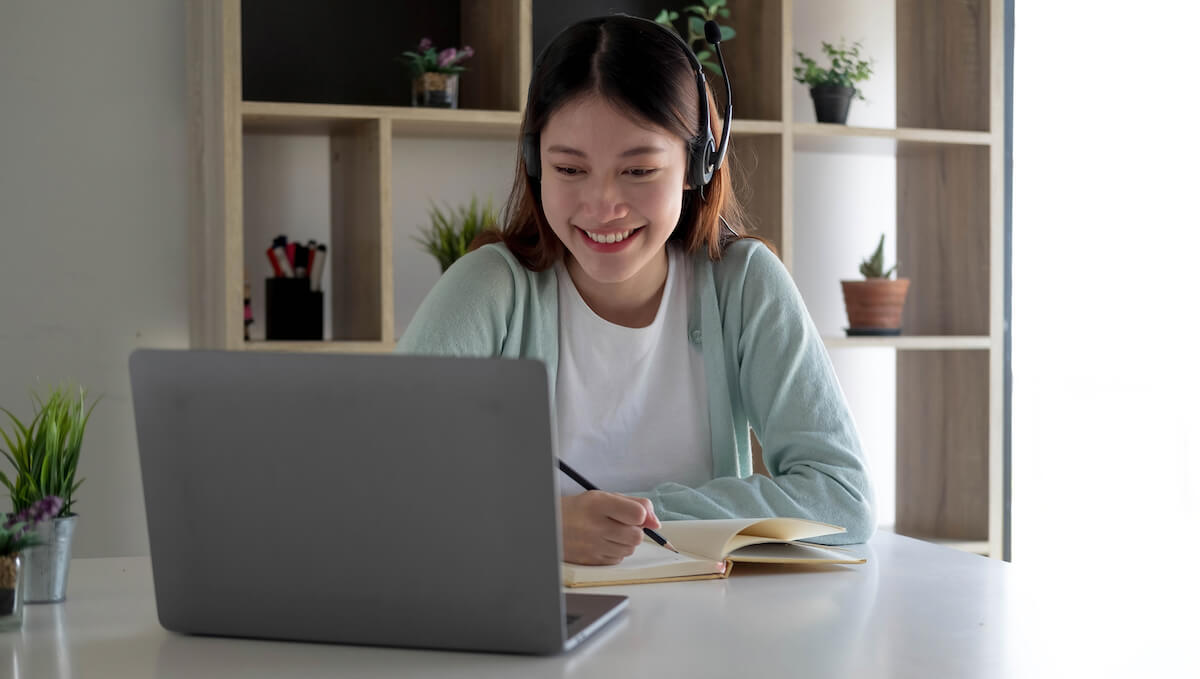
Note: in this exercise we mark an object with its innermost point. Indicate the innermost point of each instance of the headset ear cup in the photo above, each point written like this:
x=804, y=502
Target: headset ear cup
x=532, y=156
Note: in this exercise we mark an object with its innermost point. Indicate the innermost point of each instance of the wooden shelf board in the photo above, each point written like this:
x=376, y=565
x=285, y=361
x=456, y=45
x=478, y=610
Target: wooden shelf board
x=280, y=117
x=911, y=342
x=328, y=346
x=979, y=547
x=755, y=127
x=288, y=118
x=830, y=138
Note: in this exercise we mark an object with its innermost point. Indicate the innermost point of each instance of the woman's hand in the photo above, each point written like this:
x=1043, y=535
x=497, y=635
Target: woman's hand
x=601, y=529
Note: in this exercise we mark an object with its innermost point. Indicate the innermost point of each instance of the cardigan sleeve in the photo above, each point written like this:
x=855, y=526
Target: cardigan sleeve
x=795, y=405
x=467, y=311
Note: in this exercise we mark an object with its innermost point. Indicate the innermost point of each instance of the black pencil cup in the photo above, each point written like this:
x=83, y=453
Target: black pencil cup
x=294, y=310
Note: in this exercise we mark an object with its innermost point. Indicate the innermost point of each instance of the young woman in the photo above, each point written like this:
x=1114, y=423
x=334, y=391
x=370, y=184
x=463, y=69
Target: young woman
x=667, y=333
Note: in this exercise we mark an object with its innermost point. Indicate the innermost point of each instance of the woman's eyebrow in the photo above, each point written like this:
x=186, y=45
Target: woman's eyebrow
x=635, y=151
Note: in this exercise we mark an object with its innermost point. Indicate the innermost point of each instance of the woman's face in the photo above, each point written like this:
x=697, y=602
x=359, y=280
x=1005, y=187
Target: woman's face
x=612, y=191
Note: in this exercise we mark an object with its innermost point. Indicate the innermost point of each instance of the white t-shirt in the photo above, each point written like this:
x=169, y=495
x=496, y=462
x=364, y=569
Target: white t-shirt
x=632, y=403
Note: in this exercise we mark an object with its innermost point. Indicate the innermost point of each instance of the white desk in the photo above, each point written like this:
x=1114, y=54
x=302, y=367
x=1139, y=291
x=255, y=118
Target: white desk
x=914, y=610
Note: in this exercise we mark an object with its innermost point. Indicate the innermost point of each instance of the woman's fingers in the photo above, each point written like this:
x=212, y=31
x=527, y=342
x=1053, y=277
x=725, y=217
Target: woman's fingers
x=603, y=528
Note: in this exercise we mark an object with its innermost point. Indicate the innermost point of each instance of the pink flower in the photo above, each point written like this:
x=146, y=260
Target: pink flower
x=426, y=44
x=466, y=53
x=446, y=57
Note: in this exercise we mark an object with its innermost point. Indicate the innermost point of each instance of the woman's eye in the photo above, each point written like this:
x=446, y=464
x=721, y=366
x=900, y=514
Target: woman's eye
x=643, y=172
x=568, y=171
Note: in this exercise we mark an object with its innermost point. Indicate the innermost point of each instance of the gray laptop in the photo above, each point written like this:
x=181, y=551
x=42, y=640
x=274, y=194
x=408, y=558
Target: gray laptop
x=362, y=499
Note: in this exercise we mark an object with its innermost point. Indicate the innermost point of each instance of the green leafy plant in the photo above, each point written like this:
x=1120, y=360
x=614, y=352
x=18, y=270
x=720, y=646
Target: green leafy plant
x=45, y=453
x=454, y=229
x=698, y=15
x=427, y=58
x=872, y=267
x=846, y=67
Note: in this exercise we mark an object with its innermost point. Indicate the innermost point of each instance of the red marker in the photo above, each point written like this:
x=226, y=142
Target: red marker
x=274, y=264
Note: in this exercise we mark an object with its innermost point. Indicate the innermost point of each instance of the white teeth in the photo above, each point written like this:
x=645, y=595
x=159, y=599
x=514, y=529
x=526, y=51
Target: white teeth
x=610, y=237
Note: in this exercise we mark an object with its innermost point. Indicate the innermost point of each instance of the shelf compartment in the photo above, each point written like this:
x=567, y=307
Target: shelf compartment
x=942, y=444
x=943, y=64
x=352, y=53
x=911, y=343
x=944, y=239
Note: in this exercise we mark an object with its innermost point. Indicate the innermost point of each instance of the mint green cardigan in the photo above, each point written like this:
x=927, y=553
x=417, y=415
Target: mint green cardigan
x=764, y=362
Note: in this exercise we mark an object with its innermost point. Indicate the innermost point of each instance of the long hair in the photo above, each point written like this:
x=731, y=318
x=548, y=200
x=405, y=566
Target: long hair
x=642, y=71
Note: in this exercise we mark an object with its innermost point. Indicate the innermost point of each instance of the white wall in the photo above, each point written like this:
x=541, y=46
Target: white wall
x=843, y=202
x=93, y=212
x=1106, y=411
x=1106, y=420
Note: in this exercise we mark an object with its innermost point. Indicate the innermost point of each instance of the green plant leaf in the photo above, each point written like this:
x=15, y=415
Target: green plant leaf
x=727, y=33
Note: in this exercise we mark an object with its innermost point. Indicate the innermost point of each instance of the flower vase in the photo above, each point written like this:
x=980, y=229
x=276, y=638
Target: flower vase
x=435, y=90
x=11, y=597
x=46, y=565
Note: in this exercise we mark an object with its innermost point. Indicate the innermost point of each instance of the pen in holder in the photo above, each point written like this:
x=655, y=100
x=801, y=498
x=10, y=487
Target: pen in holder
x=294, y=310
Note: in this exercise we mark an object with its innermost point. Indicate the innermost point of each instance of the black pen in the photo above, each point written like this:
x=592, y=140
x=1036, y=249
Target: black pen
x=566, y=469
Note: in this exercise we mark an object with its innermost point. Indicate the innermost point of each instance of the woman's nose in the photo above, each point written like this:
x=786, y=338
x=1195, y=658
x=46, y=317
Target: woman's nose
x=603, y=201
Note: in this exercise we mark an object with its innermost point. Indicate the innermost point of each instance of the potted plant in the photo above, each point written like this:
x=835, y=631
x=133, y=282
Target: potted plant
x=875, y=305
x=454, y=230
x=45, y=454
x=711, y=10
x=16, y=535
x=435, y=74
x=832, y=88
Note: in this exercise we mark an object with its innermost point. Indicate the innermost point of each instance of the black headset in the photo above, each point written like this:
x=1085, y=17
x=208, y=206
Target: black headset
x=704, y=157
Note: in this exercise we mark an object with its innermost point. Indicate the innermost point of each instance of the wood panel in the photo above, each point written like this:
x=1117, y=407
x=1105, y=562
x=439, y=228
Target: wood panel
x=943, y=68
x=753, y=60
x=944, y=238
x=214, y=174
x=759, y=181
x=494, y=79
x=360, y=254
x=942, y=444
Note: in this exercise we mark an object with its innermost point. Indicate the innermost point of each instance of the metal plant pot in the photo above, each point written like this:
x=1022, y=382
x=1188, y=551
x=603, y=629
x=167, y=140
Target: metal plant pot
x=46, y=565
x=435, y=90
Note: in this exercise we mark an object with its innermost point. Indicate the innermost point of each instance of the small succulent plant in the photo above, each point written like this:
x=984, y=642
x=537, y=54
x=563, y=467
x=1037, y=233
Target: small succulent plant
x=16, y=534
x=872, y=267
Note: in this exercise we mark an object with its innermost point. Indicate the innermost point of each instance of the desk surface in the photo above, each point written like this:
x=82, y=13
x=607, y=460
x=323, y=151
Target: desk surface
x=914, y=610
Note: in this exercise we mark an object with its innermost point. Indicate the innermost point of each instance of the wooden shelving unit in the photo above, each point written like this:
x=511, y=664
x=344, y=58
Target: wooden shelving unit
x=948, y=147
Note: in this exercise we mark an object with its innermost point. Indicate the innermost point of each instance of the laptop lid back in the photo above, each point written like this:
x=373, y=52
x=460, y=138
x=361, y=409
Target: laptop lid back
x=368, y=499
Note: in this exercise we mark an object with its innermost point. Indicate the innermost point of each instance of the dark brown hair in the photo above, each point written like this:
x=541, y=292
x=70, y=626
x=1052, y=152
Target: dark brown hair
x=641, y=70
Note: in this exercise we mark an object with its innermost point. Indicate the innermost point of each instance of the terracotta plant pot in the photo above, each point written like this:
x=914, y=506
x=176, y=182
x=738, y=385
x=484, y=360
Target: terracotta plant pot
x=875, y=305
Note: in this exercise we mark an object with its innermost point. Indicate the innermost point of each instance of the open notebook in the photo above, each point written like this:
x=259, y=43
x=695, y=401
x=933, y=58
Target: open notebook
x=709, y=548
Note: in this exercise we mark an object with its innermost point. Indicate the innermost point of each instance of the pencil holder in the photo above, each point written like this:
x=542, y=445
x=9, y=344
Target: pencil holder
x=294, y=310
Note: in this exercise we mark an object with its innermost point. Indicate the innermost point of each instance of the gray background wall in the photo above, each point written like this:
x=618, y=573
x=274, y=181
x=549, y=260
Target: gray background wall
x=93, y=224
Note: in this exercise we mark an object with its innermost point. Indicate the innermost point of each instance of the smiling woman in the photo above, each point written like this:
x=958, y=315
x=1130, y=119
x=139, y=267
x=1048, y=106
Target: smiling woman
x=666, y=331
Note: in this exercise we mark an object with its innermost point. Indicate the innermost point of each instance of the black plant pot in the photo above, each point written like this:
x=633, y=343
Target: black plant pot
x=832, y=102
